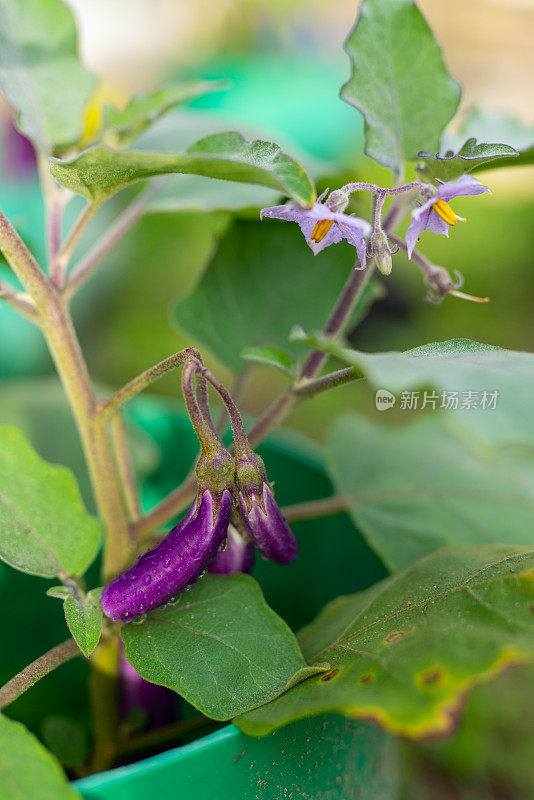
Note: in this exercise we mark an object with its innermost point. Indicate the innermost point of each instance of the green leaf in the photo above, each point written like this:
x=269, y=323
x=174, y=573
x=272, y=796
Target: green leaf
x=262, y=279
x=271, y=357
x=40, y=73
x=84, y=618
x=470, y=156
x=399, y=82
x=67, y=739
x=456, y=365
x=44, y=528
x=99, y=172
x=123, y=126
x=406, y=651
x=498, y=719
x=196, y=193
x=499, y=127
x=60, y=592
x=27, y=770
x=416, y=488
x=221, y=647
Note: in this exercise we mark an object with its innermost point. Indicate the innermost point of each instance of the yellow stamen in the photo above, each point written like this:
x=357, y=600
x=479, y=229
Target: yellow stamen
x=321, y=229
x=446, y=213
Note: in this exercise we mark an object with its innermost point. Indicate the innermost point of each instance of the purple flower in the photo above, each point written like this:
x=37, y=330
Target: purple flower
x=435, y=214
x=237, y=555
x=322, y=227
x=174, y=563
x=267, y=525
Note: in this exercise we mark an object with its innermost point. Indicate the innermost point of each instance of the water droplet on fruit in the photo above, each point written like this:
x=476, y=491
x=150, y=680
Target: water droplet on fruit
x=146, y=579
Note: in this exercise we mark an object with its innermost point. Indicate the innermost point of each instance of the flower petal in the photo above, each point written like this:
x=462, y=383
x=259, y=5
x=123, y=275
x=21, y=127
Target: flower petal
x=346, y=226
x=417, y=225
x=466, y=185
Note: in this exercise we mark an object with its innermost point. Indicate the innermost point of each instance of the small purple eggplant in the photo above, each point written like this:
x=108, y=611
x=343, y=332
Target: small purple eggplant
x=263, y=519
x=174, y=563
x=236, y=556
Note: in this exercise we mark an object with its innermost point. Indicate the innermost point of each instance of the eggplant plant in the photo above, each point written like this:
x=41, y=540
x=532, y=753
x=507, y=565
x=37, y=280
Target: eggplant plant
x=159, y=600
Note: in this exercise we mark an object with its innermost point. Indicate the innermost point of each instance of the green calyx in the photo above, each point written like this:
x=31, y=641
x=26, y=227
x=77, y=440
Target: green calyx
x=215, y=471
x=250, y=474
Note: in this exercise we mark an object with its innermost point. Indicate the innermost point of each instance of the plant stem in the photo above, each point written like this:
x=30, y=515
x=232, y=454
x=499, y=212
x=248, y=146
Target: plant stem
x=125, y=468
x=340, y=315
x=359, y=186
x=315, y=508
x=309, y=388
x=18, y=300
x=56, y=324
x=108, y=407
x=58, y=267
x=168, y=508
x=241, y=442
x=89, y=264
x=104, y=702
x=38, y=669
x=377, y=213
x=209, y=441
x=65, y=349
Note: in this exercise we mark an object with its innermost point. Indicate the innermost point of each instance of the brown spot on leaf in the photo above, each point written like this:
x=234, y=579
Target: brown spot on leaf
x=330, y=675
x=369, y=678
x=394, y=637
x=431, y=677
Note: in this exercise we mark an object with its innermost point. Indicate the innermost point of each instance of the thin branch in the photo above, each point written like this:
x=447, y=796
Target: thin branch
x=240, y=438
x=58, y=267
x=38, y=669
x=20, y=301
x=23, y=264
x=237, y=392
x=125, y=468
x=55, y=198
x=54, y=222
x=309, y=388
x=136, y=385
x=313, y=509
x=89, y=264
x=359, y=186
x=339, y=317
x=274, y=414
x=168, y=508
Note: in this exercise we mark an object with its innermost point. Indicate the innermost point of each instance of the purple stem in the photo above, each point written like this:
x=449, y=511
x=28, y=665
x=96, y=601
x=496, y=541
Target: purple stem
x=340, y=315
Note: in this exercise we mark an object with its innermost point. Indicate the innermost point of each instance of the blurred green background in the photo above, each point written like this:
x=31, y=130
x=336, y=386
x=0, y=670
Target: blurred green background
x=286, y=65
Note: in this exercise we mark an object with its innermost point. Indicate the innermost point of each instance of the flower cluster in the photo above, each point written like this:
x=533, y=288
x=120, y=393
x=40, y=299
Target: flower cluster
x=325, y=223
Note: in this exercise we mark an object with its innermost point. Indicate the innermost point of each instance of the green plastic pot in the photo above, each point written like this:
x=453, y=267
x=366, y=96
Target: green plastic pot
x=324, y=758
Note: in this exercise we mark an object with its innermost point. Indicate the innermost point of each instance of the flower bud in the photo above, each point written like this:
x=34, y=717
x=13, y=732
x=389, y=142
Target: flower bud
x=237, y=555
x=174, y=563
x=381, y=252
x=263, y=519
